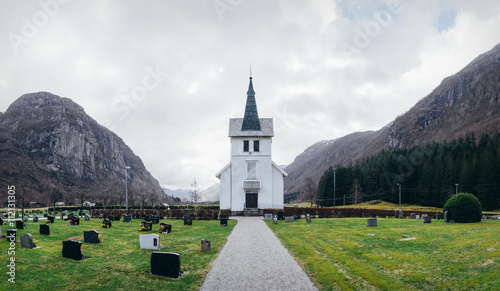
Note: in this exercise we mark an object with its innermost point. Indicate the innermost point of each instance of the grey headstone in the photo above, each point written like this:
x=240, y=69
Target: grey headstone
x=427, y=219
x=35, y=218
x=401, y=214
x=371, y=222
x=268, y=216
x=308, y=218
x=275, y=219
x=339, y=214
x=205, y=245
x=417, y=216
x=288, y=218
x=86, y=218
x=27, y=241
x=396, y=213
x=413, y=216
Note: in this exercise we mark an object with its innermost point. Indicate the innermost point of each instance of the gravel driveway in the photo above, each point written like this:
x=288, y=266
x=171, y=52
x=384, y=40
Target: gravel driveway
x=254, y=259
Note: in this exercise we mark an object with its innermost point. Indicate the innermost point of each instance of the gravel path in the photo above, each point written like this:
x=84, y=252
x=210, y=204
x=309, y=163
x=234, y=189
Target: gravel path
x=254, y=259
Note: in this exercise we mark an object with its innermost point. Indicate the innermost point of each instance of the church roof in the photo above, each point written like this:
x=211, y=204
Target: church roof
x=251, y=118
x=265, y=124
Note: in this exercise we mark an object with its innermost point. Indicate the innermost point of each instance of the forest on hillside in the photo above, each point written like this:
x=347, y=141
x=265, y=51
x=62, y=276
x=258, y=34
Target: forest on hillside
x=428, y=174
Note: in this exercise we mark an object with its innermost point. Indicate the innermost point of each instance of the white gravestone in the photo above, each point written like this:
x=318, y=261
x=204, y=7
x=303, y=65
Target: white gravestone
x=150, y=241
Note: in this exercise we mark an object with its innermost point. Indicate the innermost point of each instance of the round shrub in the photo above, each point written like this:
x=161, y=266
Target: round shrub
x=463, y=207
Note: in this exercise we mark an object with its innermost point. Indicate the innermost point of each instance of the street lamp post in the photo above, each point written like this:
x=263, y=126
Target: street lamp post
x=399, y=196
x=126, y=188
x=456, y=188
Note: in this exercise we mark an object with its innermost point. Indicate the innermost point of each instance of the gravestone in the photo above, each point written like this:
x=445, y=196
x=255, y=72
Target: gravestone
x=295, y=216
x=371, y=222
x=27, y=241
x=205, y=245
x=146, y=226
x=1, y=220
x=223, y=222
x=165, y=228
x=44, y=229
x=19, y=224
x=74, y=220
x=288, y=218
x=44, y=214
x=149, y=241
x=155, y=220
x=62, y=216
x=72, y=249
x=417, y=216
x=50, y=219
x=427, y=219
x=188, y=221
x=339, y=214
x=268, y=216
x=106, y=223
x=308, y=218
x=91, y=236
x=26, y=218
x=401, y=214
x=446, y=217
x=437, y=215
x=166, y=264
x=275, y=219
x=35, y=218
x=127, y=217
x=11, y=235
x=363, y=214
x=281, y=215
x=396, y=213
x=413, y=216
x=86, y=218
x=223, y=216
x=111, y=218
x=116, y=218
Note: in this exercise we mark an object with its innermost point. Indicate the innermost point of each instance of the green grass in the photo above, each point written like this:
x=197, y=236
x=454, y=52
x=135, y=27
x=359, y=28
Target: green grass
x=116, y=264
x=346, y=254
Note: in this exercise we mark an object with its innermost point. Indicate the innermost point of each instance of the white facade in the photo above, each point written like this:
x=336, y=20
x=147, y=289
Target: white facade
x=251, y=180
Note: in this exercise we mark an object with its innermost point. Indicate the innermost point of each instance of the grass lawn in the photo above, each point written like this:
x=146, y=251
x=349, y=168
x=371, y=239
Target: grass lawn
x=346, y=254
x=116, y=264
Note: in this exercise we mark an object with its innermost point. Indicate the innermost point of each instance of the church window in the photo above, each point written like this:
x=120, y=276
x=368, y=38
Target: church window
x=246, y=146
x=251, y=170
x=256, y=146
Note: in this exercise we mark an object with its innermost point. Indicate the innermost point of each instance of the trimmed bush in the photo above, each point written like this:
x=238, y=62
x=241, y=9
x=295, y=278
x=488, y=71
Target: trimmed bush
x=463, y=207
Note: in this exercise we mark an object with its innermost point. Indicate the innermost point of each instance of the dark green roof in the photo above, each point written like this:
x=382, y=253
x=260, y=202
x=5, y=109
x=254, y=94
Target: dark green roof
x=251, y=118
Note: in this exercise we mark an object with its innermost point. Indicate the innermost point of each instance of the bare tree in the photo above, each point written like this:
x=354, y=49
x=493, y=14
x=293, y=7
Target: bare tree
x=22, y=197
x=195, y=193
x=105, y=197
x=310, y=190
x=81, y=195
x=121, y=197
x=153, y=198
x=54, y=194
x=356, y=192
x=143, y=197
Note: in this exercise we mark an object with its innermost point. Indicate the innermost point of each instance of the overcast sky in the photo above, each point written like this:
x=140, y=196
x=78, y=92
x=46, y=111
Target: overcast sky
x=166, y=76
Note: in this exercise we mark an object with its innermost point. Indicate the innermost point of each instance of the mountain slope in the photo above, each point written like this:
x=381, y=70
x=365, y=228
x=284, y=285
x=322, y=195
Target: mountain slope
x=47, y=141
x=465, y=102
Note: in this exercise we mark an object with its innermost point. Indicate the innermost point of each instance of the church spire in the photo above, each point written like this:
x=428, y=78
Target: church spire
x=251, y=119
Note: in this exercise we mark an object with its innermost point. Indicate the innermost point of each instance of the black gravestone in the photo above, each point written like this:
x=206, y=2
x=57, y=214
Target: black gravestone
x=188, y=221
x=223, y=222
x=146, y=226
x=106, y=223
x=281, y=215
x=166, y=264
x=156, y=220
x=44, y=229
x=165, y=228
x=74, y=220
x=51, y=219
x=35, y=218
x=91, y=237
x=11, y=235
x=339, y=214
x=1, y=221
x=127, y=217
x=396, y=213
x=111, y=218
x=19, y=224
x=72, y=249
x=223, y=216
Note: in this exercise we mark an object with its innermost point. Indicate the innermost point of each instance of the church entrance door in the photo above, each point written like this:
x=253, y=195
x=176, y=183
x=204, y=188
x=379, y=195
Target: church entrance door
x=251, y=200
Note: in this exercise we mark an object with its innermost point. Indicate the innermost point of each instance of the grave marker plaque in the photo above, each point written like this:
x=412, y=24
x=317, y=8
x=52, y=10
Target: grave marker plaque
x=371, y=222
x=223, y=222
x=19, y=224
x=86, y=218
x=413, y=216
x=166, y=264
x=127, y=217
x=51, y=219
x=427, y=219
x=165, y=228
x=281, y=215
x=44, y=229
x=268, y=216
x=188, y=221
x=288, y=218
x=156, y=220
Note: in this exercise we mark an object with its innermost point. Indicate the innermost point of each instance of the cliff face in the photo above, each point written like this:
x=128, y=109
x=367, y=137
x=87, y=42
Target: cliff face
x=48, y=141
x=465, y=102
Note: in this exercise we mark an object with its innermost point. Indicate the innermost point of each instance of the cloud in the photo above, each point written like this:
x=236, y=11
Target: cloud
x=322, y=69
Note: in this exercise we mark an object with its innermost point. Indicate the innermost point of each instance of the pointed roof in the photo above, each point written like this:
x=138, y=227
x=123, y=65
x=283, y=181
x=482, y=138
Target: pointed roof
x=251, y=118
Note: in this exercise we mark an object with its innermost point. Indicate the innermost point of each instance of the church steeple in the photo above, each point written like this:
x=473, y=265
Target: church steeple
x=251, y=118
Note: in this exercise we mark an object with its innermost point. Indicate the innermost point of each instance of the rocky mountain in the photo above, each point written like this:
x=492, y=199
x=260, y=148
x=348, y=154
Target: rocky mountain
x=48, y=141
x=465, y=102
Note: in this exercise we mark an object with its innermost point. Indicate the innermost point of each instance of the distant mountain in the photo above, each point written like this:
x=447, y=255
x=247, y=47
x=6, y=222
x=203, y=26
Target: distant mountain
x=465, y=102
x=179, y=193
x=48, y=141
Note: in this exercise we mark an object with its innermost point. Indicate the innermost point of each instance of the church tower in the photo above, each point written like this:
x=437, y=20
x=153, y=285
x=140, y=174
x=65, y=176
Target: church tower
x=251, y=180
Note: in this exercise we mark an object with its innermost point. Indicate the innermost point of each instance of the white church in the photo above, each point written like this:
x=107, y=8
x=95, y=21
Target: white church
x=251, y=180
